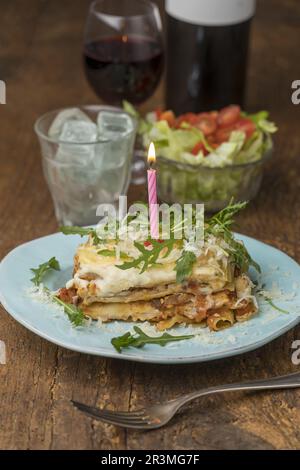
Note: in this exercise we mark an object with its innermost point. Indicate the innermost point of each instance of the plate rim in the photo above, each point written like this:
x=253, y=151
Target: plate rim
x=172, y=360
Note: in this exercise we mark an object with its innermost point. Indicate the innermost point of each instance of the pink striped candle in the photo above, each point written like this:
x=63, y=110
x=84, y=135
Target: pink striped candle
x=152, y=193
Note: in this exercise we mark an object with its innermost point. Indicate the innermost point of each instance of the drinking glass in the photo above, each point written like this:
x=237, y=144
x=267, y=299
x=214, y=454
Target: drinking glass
x=123, y=56
x=123, y=50
x=86, y=157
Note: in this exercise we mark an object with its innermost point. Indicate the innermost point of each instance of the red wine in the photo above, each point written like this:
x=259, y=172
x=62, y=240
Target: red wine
x=211, y=39
x=123, y=67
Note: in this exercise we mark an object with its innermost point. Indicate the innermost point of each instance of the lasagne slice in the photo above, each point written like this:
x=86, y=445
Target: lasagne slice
x=216, y=293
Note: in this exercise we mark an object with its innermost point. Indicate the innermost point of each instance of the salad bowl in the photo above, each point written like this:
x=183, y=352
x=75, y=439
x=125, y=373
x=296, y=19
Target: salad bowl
x=209, y=157
x=186, y=183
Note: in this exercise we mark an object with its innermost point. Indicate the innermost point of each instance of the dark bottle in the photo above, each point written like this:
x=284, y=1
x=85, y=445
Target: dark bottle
x=207, y=47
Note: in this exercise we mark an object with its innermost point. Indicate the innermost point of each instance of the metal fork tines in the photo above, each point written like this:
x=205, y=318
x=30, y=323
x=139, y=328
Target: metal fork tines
x=138, y=418
x=156, y=416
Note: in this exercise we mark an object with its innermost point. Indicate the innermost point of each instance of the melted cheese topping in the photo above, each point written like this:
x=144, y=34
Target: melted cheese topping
x=99, y=276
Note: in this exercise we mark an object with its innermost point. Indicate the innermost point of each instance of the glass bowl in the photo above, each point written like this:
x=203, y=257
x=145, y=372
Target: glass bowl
x=185, y=183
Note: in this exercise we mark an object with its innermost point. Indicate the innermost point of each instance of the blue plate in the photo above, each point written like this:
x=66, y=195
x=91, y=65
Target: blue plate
x=280, y=274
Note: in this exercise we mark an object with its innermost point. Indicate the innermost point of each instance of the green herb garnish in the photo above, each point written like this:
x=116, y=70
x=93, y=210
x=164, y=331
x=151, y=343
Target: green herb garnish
x=268, y=299
x=106, y=253
x=44, y=268
x=184, y=265
x=270, y=302
x=220, y=225
x=139, y=339
x=75, y=314
x=150, y=252
x=149, y=256
x=82, y=231
x=112, y=253
x=223, y=219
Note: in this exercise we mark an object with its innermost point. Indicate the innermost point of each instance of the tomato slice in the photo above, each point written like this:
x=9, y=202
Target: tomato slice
x=229, y=115
x=223, y=134
x=245, y=125
x=214, y=114
x=199, y=146
x=206, y=123
x=211, y=139
x=189, y=118
x=158, y=111
x=168, y=116
x=214, y=145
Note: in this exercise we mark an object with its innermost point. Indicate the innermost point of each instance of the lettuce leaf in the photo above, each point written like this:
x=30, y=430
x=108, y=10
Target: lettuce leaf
x=175, y=141
x=224, y=155
x=260, y=119
x=143, y=125
x=177, y=144
x=257, y=116
x=130, y=109
x=267, y=126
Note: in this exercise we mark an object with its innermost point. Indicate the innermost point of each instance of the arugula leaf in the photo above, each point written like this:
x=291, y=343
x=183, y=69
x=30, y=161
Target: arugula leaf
x=220, y=225
x=270, y=302
x=44, y=268
x=106, y=252
x=184, y=265
x=75, y=314
x=74, y=230
x=224, y=218
x=149, y=256
x=140, y=338
x=241, y=255
x=124, y=341
x=82, y=231
x=261, y=291
x=112, y=253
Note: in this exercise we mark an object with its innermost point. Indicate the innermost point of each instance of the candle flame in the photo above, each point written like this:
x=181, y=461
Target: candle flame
x=151, y=154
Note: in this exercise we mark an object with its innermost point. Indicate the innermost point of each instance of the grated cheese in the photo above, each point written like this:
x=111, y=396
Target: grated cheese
x=39, y=294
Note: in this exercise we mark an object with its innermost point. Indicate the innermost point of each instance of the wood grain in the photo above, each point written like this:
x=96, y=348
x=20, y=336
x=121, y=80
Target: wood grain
x=40, y=60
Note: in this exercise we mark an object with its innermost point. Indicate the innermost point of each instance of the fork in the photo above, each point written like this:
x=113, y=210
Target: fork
x=155, y=416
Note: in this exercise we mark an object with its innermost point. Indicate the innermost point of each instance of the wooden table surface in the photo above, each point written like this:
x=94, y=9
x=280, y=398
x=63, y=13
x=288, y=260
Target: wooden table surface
x=40, y=60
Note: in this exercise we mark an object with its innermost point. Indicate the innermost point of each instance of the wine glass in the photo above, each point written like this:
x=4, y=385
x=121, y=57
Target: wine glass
x=123, y=50
x=123, y=56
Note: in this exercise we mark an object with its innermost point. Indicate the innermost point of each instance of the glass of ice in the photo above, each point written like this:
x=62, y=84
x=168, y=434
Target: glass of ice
x=86, y=156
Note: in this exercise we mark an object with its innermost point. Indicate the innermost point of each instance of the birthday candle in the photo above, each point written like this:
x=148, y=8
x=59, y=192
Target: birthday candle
x=152, y=193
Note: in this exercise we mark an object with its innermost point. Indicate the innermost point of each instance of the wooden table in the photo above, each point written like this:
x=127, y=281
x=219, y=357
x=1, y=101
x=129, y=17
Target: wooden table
x=40, y=60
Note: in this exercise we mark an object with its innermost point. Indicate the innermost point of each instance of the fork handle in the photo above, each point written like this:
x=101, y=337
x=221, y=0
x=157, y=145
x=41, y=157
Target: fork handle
x=280, y=382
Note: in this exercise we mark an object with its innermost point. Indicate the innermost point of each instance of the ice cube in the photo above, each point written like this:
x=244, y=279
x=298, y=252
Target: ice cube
x=70, y=114
x=116, y=132
x=76, y=152
x=73, y=134
x=78, y=132
x=114, y=125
